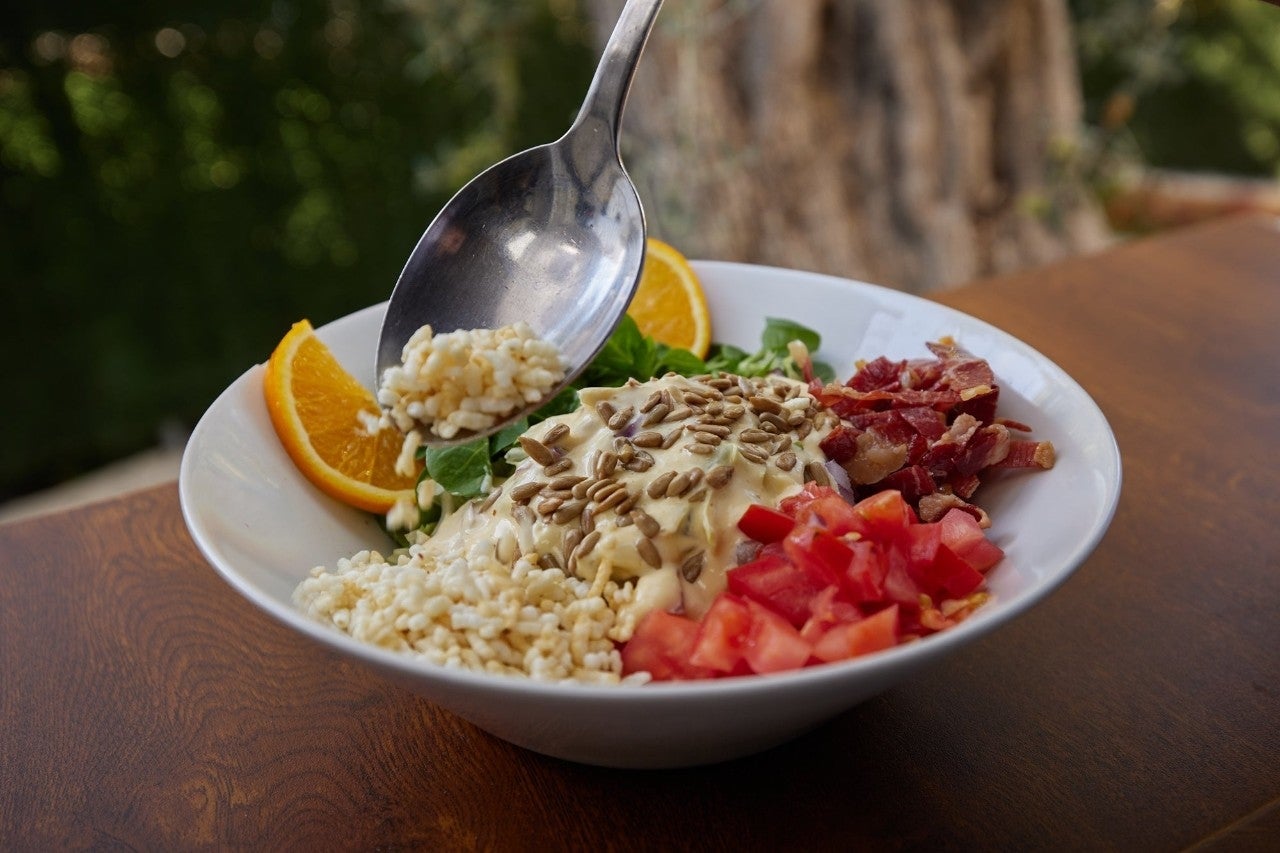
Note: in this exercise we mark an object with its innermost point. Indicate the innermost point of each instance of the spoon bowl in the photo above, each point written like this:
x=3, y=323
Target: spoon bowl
x=553, y=236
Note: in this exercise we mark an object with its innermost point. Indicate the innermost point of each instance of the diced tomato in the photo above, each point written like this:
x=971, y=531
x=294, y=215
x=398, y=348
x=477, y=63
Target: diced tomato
x=963, y=535
x=792, y=504
x=851, y=639
x=773, y=644
x=899, y=587
x=764, y=524
x=661, y=645
x=828, y=608
x=864, y=578
x=722, y=634
x=887, y=515
x=936, y=568
x=833, y=513
x=817, y=553
x=777, y=583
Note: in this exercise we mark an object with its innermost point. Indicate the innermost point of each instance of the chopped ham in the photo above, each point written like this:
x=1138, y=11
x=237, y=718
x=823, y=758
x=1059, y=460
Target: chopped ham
x=926, y=427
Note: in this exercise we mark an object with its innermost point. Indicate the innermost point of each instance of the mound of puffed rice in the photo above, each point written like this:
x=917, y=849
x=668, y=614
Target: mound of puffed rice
x=464, y=608
x=466, y=380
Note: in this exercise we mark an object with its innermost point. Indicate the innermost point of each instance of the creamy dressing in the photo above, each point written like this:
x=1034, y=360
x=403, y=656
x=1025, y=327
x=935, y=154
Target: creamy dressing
x=591, y=496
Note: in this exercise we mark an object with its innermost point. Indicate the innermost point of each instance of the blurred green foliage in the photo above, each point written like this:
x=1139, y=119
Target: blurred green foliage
x=180, y=182
x=1182, y=84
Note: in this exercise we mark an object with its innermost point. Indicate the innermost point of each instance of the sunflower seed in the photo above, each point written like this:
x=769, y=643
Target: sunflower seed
x=649, y=438
x=525, y=491
x=692, y=567
x=715, y=429
x=587, y=545
x=753, y=453
x=559, y=467
x=670, y=438
x=647, y=523
x=734, y=412
x=678, y=485
x=656, y=414
x=537, y=451
x=641, y=463
x=489, y=501
x=775, y=420
x=606, y=464
x=605, y=410
x=697, y=497
x=693, y=398
x=817, y=473
x=658, y=487
x=701, y=448
x=719, y=477
x=753, y=436
x=706, y=437
x=679, y=414
x=649, y=552
x=803, y=430
x=786, y=461
x=568, y=511
x=546, y=506
x=565, y=481
x=571, y=540
x=613, y=499
x=598, y=486
x=761, y=403
x=621, y=418
x=556, y=433
x=652, y=400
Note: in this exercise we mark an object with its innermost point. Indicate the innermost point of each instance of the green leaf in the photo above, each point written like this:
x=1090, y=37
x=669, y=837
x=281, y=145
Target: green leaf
x=778, y=333
x=463, y=470
x=724, y=357
x=680, y=360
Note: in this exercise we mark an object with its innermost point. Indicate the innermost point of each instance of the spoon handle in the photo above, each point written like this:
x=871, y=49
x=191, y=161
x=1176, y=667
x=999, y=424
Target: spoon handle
x=608, y=93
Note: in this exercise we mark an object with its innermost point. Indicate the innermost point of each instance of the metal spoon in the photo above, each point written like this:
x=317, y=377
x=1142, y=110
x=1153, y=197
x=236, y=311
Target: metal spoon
x=553, y=236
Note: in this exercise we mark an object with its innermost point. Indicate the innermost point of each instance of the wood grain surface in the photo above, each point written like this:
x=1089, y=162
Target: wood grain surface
x=145, y=705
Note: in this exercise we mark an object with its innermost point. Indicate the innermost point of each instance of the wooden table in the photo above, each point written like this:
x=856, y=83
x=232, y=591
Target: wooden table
x=145, y=704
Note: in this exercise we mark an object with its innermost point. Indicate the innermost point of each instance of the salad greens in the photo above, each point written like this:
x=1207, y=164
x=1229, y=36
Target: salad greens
x=469, y=470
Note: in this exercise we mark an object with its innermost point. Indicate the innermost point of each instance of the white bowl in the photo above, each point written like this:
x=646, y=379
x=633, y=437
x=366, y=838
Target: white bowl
x=263, y=527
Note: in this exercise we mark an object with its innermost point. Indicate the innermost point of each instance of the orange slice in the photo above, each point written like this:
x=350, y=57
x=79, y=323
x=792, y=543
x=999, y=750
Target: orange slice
x=669, y=304
x=314, y=405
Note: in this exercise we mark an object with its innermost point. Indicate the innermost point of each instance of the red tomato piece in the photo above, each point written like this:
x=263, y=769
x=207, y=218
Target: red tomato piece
x=832, y=512
x=865, y=576
x=886, y=514
x=775, y=582
x=792, y=504
x=936, y=568
x=828, y=608
x=773, y=644
x=850, y=640
x=764, y=524
x=721, y=634
x=963, y=535
x=899, y=587
x=817, y=553
x=661, y=646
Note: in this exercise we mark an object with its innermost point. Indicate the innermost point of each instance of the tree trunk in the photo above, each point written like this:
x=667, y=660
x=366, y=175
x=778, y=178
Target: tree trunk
x=913, y=143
